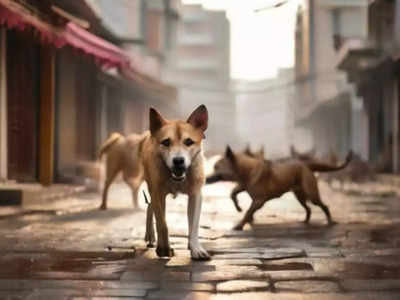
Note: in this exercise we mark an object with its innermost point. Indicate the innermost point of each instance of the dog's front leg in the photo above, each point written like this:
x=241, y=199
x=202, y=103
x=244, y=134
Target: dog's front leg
x=248, y=217
x=158, y=206
x=237, y=190
x=194, y=210
x=149, y=237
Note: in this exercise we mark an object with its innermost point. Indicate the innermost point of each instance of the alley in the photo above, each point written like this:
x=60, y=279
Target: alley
x=68, y=249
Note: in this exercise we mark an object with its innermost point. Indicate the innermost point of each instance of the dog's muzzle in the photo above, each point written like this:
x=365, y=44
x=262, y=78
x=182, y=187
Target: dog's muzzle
x=213, y=178
x=178, y=174
x=178, y=170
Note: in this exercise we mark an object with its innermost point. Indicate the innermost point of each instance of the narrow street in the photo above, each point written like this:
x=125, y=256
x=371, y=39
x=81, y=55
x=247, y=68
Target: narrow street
x=67, y=249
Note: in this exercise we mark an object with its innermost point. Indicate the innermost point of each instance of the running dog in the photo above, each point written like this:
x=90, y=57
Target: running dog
x=172, y=159
x=265, y=180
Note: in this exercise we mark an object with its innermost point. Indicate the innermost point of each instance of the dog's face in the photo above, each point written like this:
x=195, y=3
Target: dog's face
x=179, y=142
x=224, y=168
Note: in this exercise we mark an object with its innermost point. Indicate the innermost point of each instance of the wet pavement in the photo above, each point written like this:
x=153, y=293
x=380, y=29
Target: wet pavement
x=67, y=249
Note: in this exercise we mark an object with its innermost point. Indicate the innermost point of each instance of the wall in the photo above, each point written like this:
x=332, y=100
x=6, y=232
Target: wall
x=67, y=138
x=3, y=106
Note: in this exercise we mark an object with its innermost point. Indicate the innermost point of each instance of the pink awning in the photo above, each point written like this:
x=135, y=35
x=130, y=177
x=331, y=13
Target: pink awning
x=14, y=15
x=105, y=54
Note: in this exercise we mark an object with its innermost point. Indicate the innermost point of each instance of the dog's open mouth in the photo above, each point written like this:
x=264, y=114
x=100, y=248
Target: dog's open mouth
x=178, y=174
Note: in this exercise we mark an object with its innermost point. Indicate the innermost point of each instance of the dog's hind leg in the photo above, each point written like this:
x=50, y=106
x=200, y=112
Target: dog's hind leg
x=134, y=184
x=317, y=201
x=236, y=190
x=301, y=197
x=248, y=217
x=111, y=172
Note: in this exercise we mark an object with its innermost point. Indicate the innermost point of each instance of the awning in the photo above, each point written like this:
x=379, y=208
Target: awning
x=105, y=54
x=14, y=15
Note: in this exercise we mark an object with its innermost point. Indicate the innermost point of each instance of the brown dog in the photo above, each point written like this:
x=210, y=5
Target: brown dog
x=265, y=180
x=238, y=188
x=173, y=163
x=122, y=156
x=260, y=154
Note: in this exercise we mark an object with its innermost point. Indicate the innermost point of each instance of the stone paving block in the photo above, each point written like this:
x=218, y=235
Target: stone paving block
x=297, y=275
x=175, y=276
x=27, y=284
x=188, y=286
x=307, y=286
x=269, y=254
x=235, y=262
x=242, y=285
x=370, y=284
x=175, y=295
x=187, y=264
x=118, y=293
x=285, y=265
x=104, y=298
x=316, y=296
x=236, y=272
x=320, y=252
x=283, y=253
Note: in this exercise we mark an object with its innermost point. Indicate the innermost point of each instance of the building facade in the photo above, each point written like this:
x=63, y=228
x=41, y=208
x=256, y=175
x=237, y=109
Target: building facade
x=198, y=63
x=77, y=83
x=325, y=104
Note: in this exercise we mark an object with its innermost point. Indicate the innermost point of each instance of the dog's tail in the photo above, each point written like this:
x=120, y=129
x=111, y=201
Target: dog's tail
x=115, y=136
x=321, y=167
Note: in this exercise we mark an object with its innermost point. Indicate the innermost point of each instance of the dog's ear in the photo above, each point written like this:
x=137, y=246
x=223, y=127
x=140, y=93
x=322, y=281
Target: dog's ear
x=229, y=154
x=262, y=152
x=199, y=118
x=156, y=121
x=247, y=150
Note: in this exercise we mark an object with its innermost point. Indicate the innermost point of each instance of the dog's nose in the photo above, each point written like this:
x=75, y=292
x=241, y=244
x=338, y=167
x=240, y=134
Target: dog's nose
x=178, y=161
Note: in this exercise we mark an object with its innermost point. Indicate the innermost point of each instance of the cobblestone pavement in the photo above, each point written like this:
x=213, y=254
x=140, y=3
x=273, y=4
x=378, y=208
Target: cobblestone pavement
x=67, y=249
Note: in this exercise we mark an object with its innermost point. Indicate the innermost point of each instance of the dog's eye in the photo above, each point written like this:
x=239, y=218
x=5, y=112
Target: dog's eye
x=166, y=142
x=188, y=142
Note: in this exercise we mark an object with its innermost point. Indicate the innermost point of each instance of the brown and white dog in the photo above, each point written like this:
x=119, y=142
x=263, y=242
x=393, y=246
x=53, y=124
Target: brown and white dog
x=123, y=156
x=265, y=180
x=172, y=159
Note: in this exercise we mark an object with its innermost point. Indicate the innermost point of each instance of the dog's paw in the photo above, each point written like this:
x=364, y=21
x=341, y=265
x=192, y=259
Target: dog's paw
x=238, y=227
x=332, y=223
x=150, y=245
x=149, y=239
x=165, y=252
x=103, y=207
x=199, y=253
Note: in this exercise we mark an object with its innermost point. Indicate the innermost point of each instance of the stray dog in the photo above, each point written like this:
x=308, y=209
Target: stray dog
x=172, y=158
x=260, y=154
x=238, y=189
x=122, y=155
x=265, y=180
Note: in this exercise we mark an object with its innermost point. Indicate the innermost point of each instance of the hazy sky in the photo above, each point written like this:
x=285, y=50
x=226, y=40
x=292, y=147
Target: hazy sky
x=261, y=42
